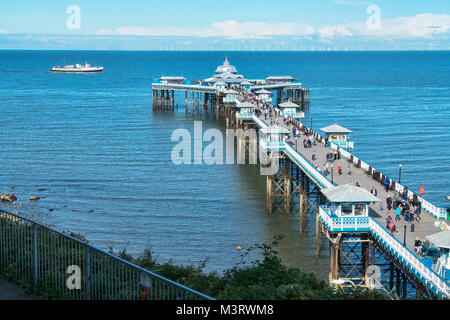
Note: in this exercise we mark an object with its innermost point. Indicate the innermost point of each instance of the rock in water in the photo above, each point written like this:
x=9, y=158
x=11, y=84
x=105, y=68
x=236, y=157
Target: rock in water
x=34, y=198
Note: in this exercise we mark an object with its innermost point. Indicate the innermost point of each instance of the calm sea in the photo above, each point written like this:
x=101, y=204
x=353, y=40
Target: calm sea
x=90, y=146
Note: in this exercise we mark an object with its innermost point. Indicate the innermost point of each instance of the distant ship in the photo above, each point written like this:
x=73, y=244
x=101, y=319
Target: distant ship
x=77, y=68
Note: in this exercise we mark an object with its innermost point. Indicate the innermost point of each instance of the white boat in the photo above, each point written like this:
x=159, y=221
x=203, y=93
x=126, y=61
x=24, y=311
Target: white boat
x=77, y=68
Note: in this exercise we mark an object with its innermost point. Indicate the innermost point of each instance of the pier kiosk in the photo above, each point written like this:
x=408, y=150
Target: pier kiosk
x=348, y=209
x=441, y=240
x=291, y=109
x=264, y=95
x=273, y=138
x=230, y=96
x=339, y=136
x=172, y=80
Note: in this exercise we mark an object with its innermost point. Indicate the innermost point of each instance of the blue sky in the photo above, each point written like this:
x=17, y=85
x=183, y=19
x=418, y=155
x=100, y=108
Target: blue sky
x=142, y=23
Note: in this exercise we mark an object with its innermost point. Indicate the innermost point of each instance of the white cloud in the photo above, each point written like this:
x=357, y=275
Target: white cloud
x=144, y=31
x=422, y=25
x=230, y=29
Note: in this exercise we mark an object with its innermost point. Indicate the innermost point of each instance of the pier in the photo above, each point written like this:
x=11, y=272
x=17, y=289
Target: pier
x=362, y=251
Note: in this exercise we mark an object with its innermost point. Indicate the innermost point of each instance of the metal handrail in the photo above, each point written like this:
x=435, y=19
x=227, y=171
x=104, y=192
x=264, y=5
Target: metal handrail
x=25, y=243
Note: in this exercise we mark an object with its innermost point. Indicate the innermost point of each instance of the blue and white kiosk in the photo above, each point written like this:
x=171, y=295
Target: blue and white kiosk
x=441, y=240
x=273, y=138
x=220, y=86
x=339, y=136
x=349, y=208
x=291, y=109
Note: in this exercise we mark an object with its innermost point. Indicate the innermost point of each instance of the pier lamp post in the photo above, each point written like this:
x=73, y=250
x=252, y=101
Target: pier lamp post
x=399, y=173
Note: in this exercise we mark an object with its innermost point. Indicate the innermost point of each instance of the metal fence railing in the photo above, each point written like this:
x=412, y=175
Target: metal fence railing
x=60, y=266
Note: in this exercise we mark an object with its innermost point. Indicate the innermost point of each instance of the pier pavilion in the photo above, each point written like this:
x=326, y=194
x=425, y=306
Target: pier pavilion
x=364, y=252
x=172, y=80
x=230, y=96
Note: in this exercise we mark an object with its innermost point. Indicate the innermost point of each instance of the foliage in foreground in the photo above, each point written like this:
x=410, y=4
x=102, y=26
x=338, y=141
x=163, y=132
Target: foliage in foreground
x=263, y=279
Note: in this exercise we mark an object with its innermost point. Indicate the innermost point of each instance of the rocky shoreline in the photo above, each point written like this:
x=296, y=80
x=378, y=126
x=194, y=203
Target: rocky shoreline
x=8, y=197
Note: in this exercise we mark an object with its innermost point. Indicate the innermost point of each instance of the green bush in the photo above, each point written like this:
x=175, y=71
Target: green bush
x=264, y=279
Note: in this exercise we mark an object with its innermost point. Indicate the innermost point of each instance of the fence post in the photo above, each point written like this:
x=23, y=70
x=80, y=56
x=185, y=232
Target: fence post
x=35, y=257
x=87, y=257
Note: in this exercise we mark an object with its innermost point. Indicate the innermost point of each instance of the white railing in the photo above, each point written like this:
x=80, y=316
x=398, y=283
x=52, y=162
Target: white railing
x=308, y=168
x=259, y=122
x=245, y=116
x=409, y=259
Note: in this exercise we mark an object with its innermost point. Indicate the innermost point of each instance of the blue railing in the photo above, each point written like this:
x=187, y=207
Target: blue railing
x=428, y=276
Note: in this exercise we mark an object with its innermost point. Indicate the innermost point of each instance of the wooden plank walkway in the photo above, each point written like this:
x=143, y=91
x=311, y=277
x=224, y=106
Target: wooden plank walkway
x=423, y=228
x=9, y=291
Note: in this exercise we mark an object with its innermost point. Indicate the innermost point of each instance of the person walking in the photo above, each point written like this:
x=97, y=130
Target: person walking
x=392, y=227
x=412, y=225
x=326, y=170
x=396, y=200
x=388, y=220
x=339, y=167
x=389, y=202
x=418, y=246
